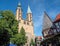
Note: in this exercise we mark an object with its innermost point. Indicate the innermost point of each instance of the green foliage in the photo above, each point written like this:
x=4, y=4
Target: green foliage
x=9, y=30
x=23, y=36
x=32, y=42
x=8, y=26
x=20, y=38
x=22, y=31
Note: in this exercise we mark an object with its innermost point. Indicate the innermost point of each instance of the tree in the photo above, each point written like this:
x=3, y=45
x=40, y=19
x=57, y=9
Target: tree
x=32, y=42
x=36, y=41
x=8, y=26
x=20, y=39
x=24, y=37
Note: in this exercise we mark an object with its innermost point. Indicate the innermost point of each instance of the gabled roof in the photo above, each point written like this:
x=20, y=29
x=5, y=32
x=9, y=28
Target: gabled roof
x=47, y=23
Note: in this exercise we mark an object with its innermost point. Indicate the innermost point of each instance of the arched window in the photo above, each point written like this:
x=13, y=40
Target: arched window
x=27, y=23
x=19, y=21
x=24, y=22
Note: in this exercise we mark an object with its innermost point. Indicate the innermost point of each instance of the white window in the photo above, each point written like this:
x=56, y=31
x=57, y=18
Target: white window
x=50, y=32
x=57, y=25
x=54, y=30
x=24, y=22
x=58, y=30
x=45, y=33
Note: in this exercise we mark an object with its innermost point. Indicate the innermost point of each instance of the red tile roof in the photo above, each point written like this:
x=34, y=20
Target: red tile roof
x=58, y=17
x=39, y=37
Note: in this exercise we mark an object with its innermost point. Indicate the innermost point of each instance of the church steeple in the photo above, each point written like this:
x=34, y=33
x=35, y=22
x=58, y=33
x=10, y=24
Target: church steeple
x=29, y=10
x=19, y=4
x=19, y=12
x=29, y=16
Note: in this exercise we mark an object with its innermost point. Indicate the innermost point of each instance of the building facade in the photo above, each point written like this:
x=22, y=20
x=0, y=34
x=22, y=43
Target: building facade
x=38, y=40
x=47, y=23
x=51, y=31
x=26, y=24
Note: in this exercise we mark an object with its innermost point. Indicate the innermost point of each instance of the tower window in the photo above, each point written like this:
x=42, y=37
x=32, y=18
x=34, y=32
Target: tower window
x=19, y=21
x=32, y=24
x=24, y=22
x=27, y=23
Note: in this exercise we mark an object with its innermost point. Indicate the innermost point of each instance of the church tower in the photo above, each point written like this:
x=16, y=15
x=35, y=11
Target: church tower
x=19, y=15
x=19, y=12
x=26, y=24
x=29, y=16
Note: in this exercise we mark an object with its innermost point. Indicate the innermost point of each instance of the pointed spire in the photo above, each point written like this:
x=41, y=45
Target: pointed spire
x=19, y=4
x=29, y=10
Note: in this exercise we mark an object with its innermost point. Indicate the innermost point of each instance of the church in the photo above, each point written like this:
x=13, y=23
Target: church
x=26, y=24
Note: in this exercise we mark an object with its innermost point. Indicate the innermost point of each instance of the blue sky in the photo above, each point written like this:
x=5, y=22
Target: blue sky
x=52, y=7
